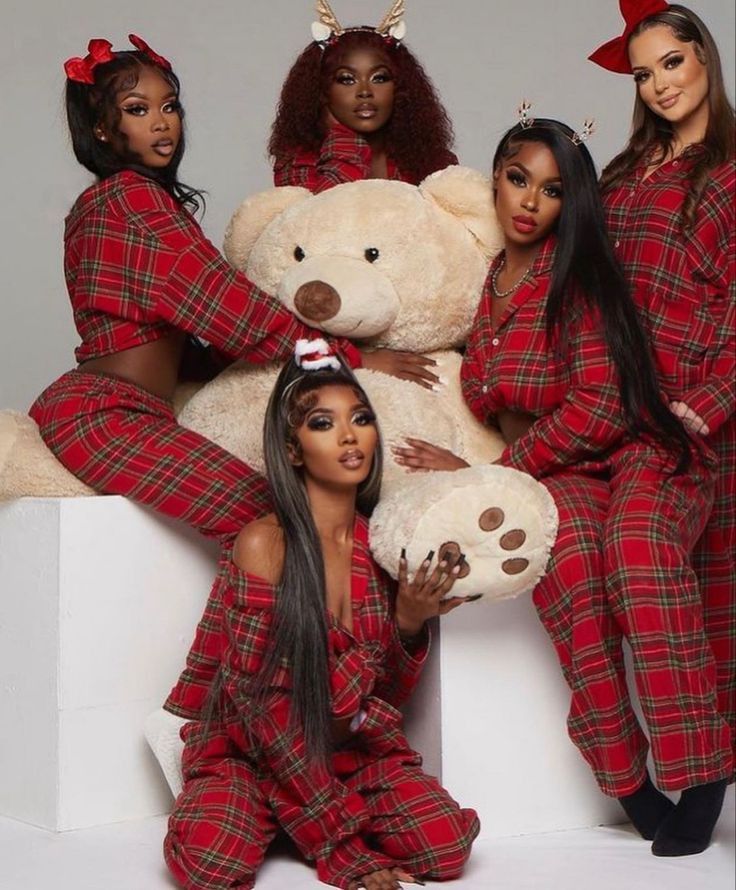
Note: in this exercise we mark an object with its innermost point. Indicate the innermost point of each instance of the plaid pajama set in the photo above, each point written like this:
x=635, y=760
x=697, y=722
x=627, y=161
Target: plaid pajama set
x=138, y=268
x=684, y=284
x=344, y=156
x=247, y=772
x=575, y=448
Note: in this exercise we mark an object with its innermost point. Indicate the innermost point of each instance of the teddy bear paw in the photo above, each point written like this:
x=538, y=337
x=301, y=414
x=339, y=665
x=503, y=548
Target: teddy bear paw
x=503, y=521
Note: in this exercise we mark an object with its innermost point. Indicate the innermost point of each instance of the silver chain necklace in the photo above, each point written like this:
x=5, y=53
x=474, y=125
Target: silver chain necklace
x=506, y=293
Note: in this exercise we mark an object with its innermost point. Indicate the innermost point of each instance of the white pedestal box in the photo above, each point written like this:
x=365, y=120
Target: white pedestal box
x=99, y=599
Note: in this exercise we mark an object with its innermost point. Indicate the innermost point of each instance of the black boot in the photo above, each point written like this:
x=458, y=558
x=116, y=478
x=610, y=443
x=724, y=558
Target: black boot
x=646, y=808
x=688, y=828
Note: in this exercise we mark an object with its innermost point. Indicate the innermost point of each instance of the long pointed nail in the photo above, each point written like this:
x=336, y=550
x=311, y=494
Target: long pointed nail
x=403, y=553
x=428, y=557
x=474, y=598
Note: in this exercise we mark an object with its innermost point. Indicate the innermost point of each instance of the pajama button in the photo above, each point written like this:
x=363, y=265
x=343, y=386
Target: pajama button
x=485, y=387
x=616, y=243
x=494, y=342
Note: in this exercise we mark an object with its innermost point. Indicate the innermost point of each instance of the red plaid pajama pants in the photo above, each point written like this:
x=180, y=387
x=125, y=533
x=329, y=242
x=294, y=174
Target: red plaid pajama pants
x=714, y=561
x=120, y=439
x=586, y=619
x=654, y=522
x=228, y=811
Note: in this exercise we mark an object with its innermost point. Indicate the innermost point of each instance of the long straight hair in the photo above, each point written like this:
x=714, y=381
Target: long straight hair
x=651, y=135
x=299, y=630
x=586, y=269
x=89, y=105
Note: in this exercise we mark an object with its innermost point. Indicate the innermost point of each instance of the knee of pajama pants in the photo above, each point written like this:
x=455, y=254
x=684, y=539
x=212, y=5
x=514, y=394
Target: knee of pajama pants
x=218, y=834
x=439, y=848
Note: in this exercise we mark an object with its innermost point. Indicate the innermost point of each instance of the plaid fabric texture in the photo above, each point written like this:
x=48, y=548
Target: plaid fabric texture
x=714, y=561
x=574, y=394
x=653, y=592
x=577, y=449
x=137, y=265
x=120, y=439
x=343, y=157
x=249, y=771
x=685, y=287
x=571, y=603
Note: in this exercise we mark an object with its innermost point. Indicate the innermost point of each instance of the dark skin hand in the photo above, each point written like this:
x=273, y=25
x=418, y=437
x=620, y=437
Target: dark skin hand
x=404, y=365
x=384, y=879
x=422, y=597
x=420, y=456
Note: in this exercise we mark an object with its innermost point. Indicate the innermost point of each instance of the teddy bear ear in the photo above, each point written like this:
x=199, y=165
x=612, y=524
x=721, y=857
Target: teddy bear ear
x=468, y=195
x=252, y=217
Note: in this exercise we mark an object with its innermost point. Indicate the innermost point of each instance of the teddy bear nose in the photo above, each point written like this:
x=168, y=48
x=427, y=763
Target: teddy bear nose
x=317, y=301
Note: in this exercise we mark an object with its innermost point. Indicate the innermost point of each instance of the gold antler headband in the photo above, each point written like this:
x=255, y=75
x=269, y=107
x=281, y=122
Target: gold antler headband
x=328, y=18
x=328, y=28
x=392, y=18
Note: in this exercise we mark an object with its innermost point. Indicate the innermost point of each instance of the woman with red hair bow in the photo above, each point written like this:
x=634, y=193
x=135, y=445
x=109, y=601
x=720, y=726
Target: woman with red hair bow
x=669, y=201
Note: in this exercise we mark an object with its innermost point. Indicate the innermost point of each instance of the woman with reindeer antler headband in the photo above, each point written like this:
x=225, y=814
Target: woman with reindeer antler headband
x=358, y=105
x=669, y=202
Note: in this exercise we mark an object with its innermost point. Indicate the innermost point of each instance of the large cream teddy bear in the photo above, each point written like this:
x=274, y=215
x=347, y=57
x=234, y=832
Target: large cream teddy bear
x=388, y=264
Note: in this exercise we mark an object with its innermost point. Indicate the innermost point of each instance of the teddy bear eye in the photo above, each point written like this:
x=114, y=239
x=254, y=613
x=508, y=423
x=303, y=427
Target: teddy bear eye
x=298, y=254
x=371, y=254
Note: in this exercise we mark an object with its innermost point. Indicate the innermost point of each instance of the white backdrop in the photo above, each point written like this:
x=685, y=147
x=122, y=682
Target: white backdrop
x=483, y=55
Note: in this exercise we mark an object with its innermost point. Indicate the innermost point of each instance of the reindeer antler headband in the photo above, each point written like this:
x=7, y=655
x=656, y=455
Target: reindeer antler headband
x=392, y=25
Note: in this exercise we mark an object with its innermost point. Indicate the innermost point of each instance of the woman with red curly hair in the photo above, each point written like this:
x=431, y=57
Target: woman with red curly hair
x=358, y=105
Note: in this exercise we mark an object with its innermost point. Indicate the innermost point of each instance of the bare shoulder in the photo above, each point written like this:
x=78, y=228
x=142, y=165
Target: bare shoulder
x=259, y=549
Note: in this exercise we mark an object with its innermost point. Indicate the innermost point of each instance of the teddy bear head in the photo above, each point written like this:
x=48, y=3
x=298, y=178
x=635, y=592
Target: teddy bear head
x=378, y=261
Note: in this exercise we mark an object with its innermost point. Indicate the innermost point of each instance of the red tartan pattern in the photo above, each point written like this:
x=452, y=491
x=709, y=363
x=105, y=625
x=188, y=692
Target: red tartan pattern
x=120, y=439
x=250, y=770
x=571, y=603
x=578, y=450
x=653, y=592
x=574, y=394
x=344, y=156
x=684, y=284
x=137, y=265
x=685, y=287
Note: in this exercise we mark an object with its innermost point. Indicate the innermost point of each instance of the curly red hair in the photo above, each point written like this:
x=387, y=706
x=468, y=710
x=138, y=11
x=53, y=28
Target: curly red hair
x=419, y=135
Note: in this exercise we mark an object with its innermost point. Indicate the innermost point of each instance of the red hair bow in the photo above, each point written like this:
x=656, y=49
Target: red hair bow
x=140, y=44
x=82, y=70
x=614, y=55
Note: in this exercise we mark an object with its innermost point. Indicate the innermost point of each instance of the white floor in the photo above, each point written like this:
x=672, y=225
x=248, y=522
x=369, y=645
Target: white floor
x=128, y=857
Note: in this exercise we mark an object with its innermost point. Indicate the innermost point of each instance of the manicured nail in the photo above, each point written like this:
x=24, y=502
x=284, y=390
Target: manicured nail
x=428, y=557
x=461, y=558
x=474, y=598
x=403, y=553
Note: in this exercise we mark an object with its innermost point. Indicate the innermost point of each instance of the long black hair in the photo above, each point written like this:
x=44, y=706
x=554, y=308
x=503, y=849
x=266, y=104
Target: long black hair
x=299, y=629
x=651, y=135
x=90, y=105
x=586, y=269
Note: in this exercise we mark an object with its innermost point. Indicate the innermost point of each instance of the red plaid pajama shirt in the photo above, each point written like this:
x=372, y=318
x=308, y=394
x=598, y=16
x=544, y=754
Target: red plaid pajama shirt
x=344, y=156
x=138, y=267
x=684, y=284
x=572, y=449
x=247, y=772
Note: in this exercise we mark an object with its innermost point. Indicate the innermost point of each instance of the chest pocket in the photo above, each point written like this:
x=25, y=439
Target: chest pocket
x=681, y=327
